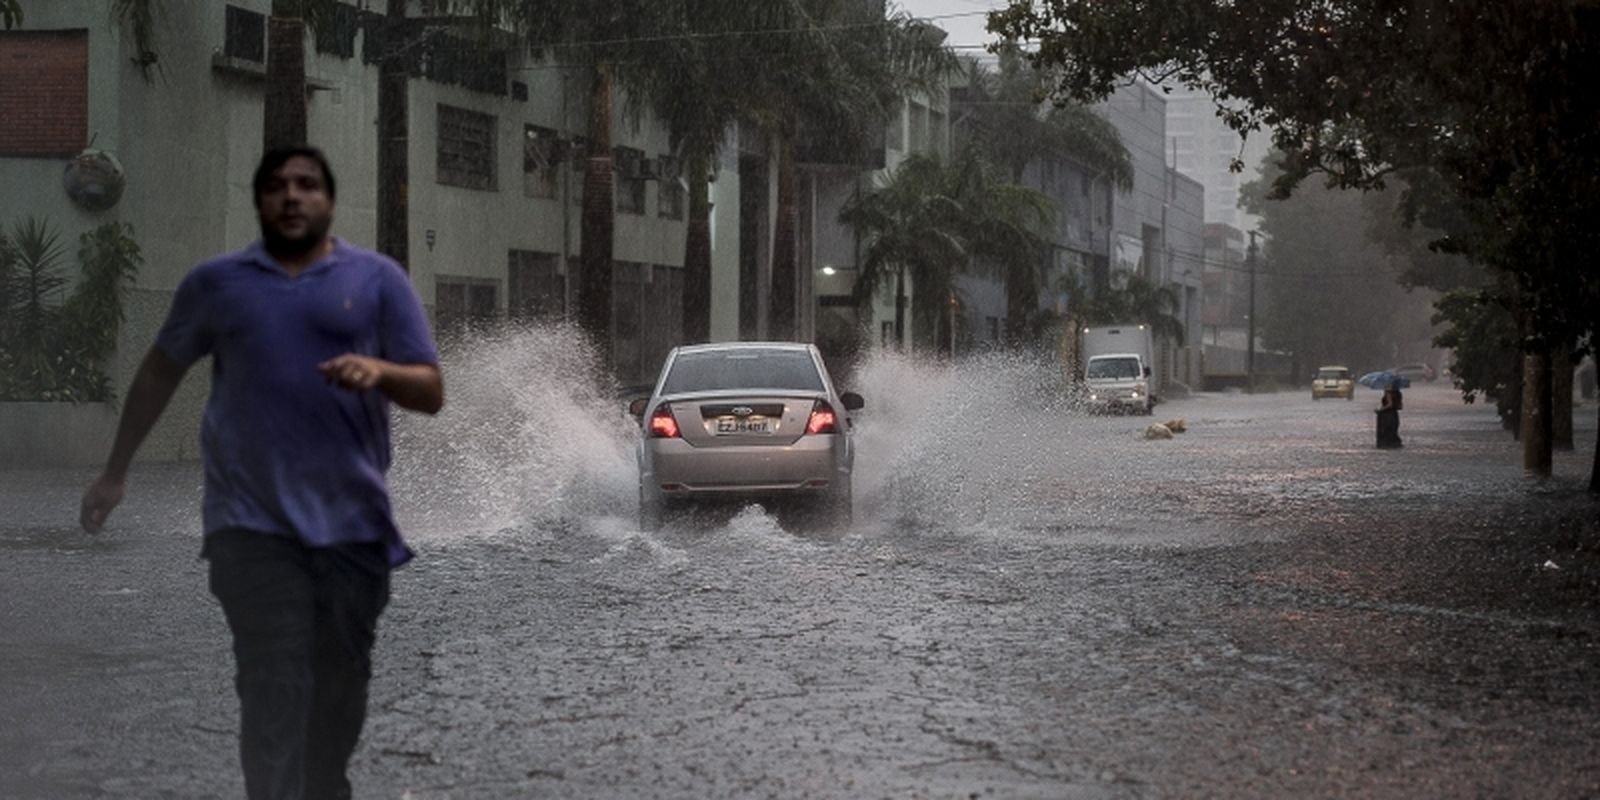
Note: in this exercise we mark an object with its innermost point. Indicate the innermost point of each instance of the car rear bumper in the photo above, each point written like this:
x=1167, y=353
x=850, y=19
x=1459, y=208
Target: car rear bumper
x=677, y=469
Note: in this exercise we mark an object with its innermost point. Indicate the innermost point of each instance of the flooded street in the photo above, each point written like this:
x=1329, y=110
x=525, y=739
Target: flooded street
x=1032, y=603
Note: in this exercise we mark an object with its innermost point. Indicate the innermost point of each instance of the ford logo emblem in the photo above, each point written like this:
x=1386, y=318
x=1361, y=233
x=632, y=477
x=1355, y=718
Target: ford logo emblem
x=743, y=411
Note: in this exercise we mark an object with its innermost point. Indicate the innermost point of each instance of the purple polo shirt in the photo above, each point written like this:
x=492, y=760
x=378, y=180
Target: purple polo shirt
x=285, y=451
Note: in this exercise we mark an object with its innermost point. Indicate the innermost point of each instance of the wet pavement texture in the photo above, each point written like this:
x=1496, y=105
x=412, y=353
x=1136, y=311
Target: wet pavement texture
x=1032, y=603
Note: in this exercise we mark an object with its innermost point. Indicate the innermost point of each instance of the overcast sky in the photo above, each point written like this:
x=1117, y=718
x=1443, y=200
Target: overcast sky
x=965, y=29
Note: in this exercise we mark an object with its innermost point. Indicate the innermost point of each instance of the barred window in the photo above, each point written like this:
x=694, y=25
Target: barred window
x=534, y=288
x=245, y=35
x=462, y=304
x=671, y=198
x=337, y=35
x=541, y=161
x=629, y=164
x=896, y=138
x=466, y=148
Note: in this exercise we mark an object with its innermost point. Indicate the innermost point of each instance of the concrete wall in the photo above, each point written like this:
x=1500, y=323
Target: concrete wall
x=55, y=434
x=1186, y=270
x=1138, y=112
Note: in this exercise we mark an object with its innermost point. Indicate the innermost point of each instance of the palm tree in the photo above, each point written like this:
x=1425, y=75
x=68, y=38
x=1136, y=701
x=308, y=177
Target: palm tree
x=699, y=90
x=910, y=226
x=1005, y=114
x=399, y=35
x=616, y=42
x=931, y=222
x=283, y=116
x=1130, y=298
x=836, y=87
x=1008, y=235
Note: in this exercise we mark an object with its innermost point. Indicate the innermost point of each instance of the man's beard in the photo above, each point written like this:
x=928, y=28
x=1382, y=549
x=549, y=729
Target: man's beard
x=292, y=246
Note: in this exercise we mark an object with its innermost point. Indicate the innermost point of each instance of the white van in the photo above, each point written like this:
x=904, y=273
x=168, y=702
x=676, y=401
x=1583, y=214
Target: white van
x=1117, y=368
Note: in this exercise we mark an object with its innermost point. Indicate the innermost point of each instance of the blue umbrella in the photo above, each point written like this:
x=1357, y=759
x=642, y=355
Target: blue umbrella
x=1383, y=379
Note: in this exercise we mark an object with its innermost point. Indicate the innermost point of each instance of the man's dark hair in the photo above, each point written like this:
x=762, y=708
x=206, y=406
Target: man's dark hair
x=278, y=156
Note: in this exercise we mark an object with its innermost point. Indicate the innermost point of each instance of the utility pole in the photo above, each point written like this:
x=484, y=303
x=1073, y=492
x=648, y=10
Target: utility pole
x=1250, y=328
x=952, y=324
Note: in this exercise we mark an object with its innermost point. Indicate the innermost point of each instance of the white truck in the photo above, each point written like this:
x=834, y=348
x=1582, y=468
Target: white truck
x=1118, y=368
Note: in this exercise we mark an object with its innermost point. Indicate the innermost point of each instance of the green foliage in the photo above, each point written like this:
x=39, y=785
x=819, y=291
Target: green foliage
x=54, y=342
x=1418, y=221
x=1494, y=99
x=1006, y=116
x=931, y=222
x=10, y=13
x=1482, y=334
x=139, y=17
x=1130, y=298
x=911, y=227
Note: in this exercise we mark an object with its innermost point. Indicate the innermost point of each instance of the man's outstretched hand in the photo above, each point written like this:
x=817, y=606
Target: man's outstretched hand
x=98, y=500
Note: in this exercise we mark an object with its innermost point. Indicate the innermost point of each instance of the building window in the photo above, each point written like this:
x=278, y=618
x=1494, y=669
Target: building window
x=647, y=318
x=337, y=34
x=460, y=304
x=466, y=148
x=919, y=128
x=671, y=198
x=535, y=289
x=897, y=129
x=939, y=132
x=47, y=112
x=662, y=318
x=245, y=35
x=629, y=165
x=541, y=162
x=627, y=296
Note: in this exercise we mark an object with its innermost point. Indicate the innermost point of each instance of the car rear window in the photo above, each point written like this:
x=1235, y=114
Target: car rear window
x=743, y=369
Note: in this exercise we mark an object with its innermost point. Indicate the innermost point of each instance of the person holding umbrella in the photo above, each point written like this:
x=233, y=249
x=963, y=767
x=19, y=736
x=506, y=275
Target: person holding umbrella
x=1388, y=412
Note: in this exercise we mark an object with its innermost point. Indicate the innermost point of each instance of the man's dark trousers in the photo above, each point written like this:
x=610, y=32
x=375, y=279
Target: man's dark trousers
x=303, y=621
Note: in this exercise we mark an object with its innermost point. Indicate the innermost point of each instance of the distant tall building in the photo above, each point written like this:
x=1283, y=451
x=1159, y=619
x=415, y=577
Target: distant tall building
x=1159, y=223
x=1204, y=147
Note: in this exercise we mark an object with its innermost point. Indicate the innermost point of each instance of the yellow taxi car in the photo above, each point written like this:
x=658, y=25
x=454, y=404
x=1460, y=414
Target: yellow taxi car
x=1333, y=381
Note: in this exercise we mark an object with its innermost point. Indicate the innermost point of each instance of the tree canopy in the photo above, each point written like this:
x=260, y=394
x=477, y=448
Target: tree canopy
x=1332, y=294
x=932, y=221
x=1005, y=112
x=1492, y=99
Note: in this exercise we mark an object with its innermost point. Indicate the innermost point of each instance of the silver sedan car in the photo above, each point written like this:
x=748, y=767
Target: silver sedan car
x=745, y=421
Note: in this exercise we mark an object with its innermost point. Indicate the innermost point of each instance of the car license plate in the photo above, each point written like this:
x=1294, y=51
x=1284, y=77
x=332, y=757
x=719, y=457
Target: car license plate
x=736, y=425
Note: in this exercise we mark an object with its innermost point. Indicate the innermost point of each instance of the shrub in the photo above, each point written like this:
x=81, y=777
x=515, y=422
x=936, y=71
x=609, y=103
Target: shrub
x=54, y=341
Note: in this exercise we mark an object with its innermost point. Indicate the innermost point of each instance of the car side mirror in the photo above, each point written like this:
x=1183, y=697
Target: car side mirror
x=852, y=401
x=636, y=408
x=1147, y=372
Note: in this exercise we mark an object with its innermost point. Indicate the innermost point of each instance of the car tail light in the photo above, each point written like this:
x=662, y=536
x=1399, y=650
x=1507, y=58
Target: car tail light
x=663, y=425
x=822, y=419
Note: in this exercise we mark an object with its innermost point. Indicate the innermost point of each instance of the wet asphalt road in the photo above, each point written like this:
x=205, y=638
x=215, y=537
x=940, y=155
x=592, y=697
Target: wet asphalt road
x=1033, y=603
